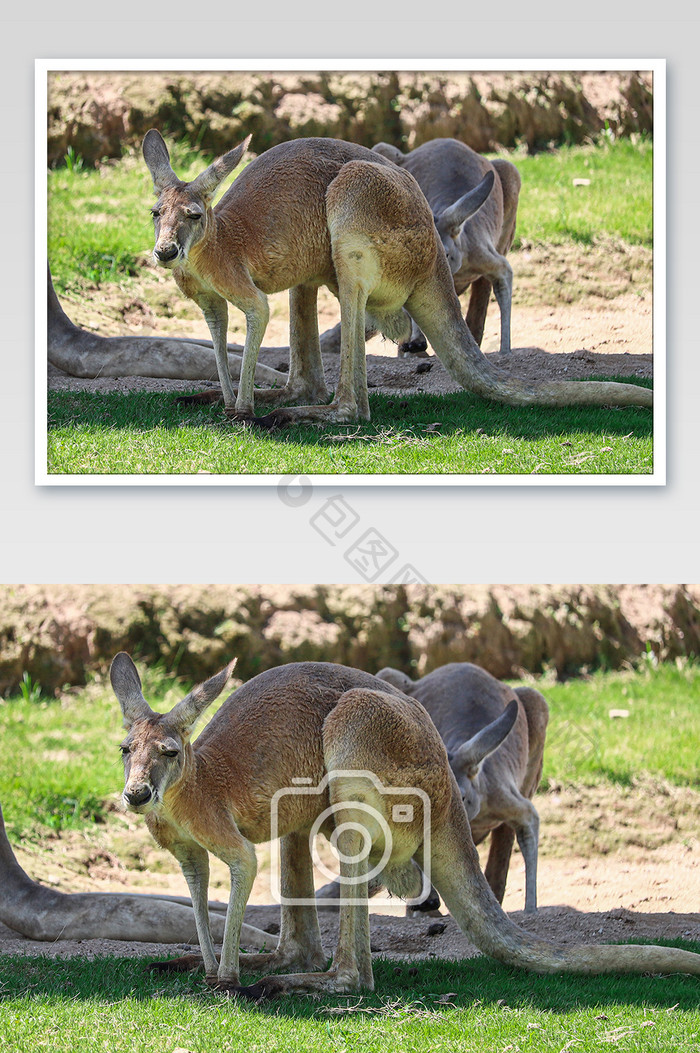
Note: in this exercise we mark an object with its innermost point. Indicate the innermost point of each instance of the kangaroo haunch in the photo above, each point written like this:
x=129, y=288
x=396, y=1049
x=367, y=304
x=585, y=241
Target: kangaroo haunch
x=447, y=171
x=494, y=736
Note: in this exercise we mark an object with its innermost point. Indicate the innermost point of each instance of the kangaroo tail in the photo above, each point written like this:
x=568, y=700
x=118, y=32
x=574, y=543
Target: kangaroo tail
x=437, y=312
x=456, y=875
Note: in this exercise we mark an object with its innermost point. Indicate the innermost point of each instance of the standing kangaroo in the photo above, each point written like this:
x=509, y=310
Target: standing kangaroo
x=314, y=212
x=315, y=724
x=447, y=171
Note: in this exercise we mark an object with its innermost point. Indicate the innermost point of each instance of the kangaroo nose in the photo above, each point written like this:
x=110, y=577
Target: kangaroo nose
x=167, y=254
x=137, y=797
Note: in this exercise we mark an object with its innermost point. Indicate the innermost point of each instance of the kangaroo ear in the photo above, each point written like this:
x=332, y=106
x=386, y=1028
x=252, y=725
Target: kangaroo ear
x=208, y=182
x=397, y=679
x=472, y=753
x=186, y=713
x=126, y=683
x=390, y=152
x=470, y=203
x=157, y=158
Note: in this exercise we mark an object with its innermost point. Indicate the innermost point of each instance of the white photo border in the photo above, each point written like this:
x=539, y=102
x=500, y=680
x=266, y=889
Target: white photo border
x=657, y=66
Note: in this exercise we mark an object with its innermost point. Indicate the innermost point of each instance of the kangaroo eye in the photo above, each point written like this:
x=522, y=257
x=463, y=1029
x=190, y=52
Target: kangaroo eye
x=124, y=750
x=155, y=213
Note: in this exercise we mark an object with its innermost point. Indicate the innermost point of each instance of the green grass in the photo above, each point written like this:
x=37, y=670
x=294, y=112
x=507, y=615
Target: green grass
x=618, y=201
x=62, y=762
x=459, y=433
x=660, y=735
x=116, y=1004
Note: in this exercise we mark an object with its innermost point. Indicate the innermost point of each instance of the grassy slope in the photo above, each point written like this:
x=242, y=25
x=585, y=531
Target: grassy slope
x=617, y=201
x=660, y=735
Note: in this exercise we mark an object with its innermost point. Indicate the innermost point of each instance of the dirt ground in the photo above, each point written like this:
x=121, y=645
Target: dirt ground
x=577, y=312
x=604, y=875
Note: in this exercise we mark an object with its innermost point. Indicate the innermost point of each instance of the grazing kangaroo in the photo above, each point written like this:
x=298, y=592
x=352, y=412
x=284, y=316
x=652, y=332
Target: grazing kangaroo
x=494, y=738
x=314, y=212
x=310, y=725
x=447, y=171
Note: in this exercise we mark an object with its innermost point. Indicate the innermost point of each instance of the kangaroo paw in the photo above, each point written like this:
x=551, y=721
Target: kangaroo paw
x=242, y=417
x=186, y=963
x=430, y=903
x=278, y=418
x=257, y=992
x=414, y=347
x=201, y=398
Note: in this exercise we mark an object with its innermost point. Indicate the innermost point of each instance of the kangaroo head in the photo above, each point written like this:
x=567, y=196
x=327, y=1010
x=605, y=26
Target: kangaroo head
x=183, y=210
x=157, y=744
x=450, y=222
x=466, y=762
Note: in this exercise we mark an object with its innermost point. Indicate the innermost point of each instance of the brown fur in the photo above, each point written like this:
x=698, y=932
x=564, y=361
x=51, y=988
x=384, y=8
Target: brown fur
x=465, y=701
x=304, y=720
x=314, y=212
x=446, y=170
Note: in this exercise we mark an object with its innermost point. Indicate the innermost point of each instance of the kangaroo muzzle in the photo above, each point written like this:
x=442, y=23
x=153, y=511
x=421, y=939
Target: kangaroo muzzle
x=167, y=253
x=138, y=797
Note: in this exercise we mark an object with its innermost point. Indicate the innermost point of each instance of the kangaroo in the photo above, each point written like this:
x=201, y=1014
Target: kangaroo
x=475, y=245
x=494, y=738
x=42, y=913
x=341, y=734
x=314, y=212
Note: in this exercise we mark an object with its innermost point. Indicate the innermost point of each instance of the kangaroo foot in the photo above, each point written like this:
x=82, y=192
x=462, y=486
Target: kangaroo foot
x=330, y=982
x=333, y=413
x=295, y=959
x=201, y=398
x=293, y=395
x=268, y=422
x=186, y=963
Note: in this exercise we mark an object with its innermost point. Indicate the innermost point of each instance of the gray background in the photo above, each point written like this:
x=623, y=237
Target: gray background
x=475, y=534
